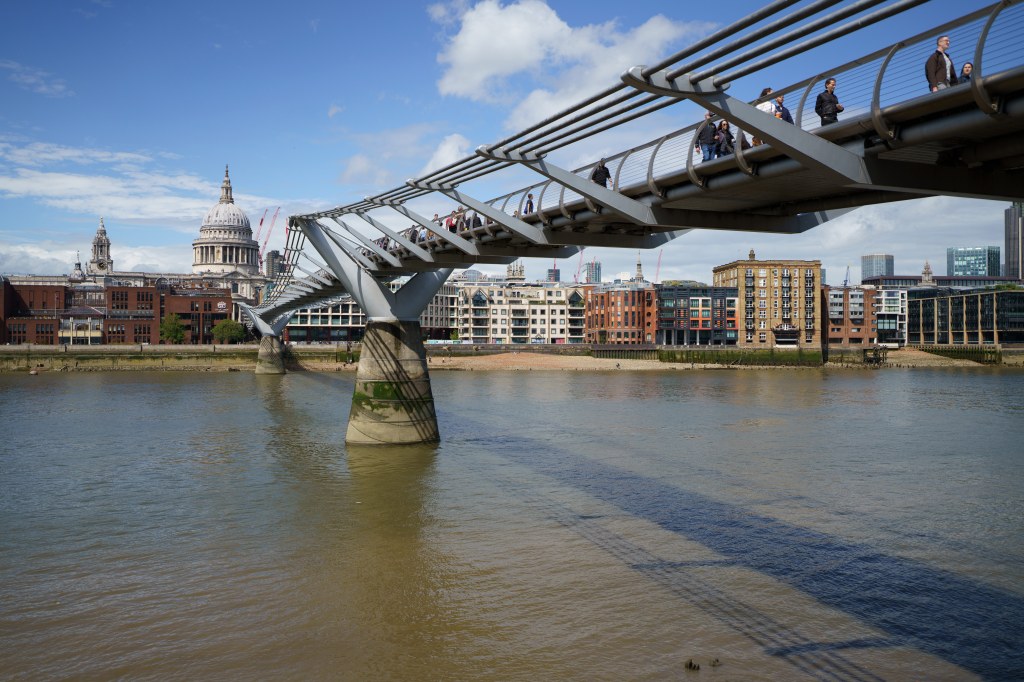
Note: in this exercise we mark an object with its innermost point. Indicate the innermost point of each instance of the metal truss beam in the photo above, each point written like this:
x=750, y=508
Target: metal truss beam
x=314, y=276
x=442, y=233
x=272, y=328
x=641, y=214
x=350, y=250
x=373, y=297
x=383, y=254
x=810, y=150
x=515, y=225
x=413, y=248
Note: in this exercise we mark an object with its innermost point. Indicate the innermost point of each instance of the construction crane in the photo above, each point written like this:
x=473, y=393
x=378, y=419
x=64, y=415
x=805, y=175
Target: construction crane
x=576, y=278
x=846, y=280
x=657, y=270
x=259, y=228
x=267, y=237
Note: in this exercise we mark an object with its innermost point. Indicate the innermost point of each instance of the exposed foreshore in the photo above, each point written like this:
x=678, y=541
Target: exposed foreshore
x=440, y=358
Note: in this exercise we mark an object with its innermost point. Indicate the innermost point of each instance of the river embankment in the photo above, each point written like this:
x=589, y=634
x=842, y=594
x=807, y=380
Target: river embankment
x=214, y=358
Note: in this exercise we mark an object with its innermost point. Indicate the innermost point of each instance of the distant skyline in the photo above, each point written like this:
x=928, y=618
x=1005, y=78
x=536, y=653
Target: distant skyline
x=316, y=104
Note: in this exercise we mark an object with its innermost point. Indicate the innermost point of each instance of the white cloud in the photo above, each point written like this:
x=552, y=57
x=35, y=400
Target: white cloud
x=447, y=13
x=43, y=153
x=451, y=149
x=497, y=41
x=385, y=156
x=172, y=258
x=43, y=258
x=57, y=258
x=145, y=197
x=35, y=80
x=525, y=55
x=363, y=171
x=334, y=110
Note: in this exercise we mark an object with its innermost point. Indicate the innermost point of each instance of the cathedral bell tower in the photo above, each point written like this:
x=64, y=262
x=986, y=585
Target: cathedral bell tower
x=101, y=262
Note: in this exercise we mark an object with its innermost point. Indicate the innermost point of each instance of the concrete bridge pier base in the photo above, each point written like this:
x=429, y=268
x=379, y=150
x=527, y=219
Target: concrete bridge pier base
x=270, y=359
x=392, y=403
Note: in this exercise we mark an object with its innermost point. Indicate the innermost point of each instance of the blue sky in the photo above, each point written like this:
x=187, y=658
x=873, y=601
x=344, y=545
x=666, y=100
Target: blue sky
x=130, y=111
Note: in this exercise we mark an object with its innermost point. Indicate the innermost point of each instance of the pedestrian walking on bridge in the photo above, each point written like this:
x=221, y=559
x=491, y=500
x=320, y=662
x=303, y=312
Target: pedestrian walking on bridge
x=827, y=105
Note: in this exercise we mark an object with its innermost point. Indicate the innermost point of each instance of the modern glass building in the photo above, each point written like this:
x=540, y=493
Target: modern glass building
x=697, y=316
x=1014, y=241
x=952, y=317
x=876, y=265
x=972, y=261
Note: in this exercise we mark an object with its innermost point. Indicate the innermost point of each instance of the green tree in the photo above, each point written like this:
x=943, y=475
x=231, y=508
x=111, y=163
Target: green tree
x=172, y=330
x=228, y=331
x=454, y=336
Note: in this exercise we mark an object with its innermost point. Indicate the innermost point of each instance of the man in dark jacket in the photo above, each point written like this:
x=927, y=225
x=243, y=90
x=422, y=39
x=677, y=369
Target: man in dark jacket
x=827, y=105
x=601, y=175
x=939, y=69
x=705, y=140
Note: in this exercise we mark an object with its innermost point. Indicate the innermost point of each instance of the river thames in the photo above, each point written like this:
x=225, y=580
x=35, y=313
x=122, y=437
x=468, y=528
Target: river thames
x=792, y=524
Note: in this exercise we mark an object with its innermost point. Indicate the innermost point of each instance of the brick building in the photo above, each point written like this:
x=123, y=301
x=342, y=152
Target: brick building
x=851, y=316
x=85, y=313
x=625, y=313
x=779, y=300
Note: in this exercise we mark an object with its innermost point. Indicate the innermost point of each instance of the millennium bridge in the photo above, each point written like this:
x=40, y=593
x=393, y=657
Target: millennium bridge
x=894, y=141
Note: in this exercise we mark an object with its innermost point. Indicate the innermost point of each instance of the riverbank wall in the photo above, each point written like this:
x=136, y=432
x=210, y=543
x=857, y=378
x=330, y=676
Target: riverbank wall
x=25, y=358
x=204, y=358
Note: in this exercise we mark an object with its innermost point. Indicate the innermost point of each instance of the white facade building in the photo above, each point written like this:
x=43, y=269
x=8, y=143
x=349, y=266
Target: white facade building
x=891, y=316
x=513, y=312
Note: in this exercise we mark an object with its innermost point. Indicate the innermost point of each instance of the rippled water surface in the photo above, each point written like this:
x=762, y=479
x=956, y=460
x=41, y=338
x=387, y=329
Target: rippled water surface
x=795, y=524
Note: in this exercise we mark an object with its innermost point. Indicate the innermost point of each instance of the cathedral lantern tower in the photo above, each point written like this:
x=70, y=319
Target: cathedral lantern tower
x=101, y=262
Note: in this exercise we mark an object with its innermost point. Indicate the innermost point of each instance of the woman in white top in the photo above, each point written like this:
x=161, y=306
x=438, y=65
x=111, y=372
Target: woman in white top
x=767, y=106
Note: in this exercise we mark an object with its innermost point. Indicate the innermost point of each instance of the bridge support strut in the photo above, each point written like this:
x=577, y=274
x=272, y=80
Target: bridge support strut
x=270, y=359
x=392, y=402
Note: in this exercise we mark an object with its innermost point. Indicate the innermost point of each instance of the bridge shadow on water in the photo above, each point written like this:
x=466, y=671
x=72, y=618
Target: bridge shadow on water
x=963, y=621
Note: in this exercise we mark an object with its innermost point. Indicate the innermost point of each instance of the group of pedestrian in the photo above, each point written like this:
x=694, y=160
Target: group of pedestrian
x=459, y=220
x=717, y=140
x=714, y=140
x=939, y=71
